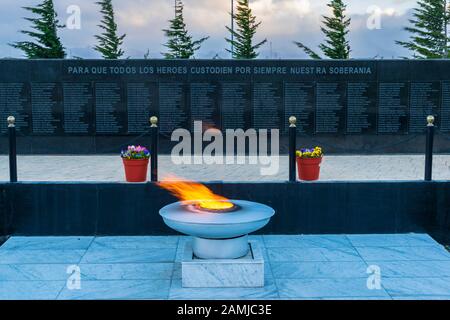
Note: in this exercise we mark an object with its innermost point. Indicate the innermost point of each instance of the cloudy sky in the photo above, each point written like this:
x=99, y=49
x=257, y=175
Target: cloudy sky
x=283, y=21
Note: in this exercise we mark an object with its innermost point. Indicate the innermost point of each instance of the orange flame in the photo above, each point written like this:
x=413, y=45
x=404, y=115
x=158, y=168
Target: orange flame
x=198, y=193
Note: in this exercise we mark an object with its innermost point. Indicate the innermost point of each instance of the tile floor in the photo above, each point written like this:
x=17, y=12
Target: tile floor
x=411, y=266
x=334, y=168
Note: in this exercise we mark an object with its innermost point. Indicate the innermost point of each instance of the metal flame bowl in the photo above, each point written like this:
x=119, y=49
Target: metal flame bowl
x=218, y=235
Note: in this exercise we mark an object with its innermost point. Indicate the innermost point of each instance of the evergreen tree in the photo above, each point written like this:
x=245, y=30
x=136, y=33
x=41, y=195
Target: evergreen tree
x=335, y=29
x=242, y=42
x=180, y=43
x=109, y=43
x=429, y=39
x=47, y=44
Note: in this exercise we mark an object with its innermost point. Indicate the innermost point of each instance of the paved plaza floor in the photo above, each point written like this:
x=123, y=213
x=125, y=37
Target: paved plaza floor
x=109, y=168
x=410, y=266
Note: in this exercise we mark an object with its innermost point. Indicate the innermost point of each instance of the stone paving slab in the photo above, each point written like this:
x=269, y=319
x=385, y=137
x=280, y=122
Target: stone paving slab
x=334, y=168
x=118, y=289
x=48, y=243
x=126, y=242
x=435, y=253
x=100, y=255
x=312, y=270
x=412, y=266
x=410, y=286
x=21, y=256
x=30, y=290
x=431, y=297
x=390, y=240
x=323, y=288
x=307, y=241
x=269, y=291
x=313, y=254
x=127, y=271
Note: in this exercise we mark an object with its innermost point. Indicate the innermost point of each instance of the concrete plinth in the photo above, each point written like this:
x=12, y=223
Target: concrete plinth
x=245, y=272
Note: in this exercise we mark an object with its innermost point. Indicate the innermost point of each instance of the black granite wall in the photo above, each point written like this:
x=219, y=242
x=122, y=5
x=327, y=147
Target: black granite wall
x=442, y=216
x=310, y=208
x=5, y=214
x=98, y=106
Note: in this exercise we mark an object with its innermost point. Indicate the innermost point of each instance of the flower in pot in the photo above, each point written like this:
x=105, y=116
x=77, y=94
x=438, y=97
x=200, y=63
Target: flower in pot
x=308, y=163
x=135, y=162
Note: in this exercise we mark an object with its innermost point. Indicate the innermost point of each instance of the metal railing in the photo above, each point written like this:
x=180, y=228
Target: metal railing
x=429, y=149
x=154, y=133
x=12, y=149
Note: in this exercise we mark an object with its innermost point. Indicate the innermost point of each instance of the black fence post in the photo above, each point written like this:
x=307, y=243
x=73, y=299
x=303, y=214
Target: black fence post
x=154, y=130
x=429, y=149
x=292, y=146
x=12, y=149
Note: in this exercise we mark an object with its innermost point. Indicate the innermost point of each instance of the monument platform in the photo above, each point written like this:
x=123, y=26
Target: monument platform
x=412, y=266
x=245, y=272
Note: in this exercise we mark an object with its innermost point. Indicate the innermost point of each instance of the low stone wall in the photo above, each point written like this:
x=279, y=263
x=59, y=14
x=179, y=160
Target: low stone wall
x=301, y=208
x=442, y=214
x=5, y=223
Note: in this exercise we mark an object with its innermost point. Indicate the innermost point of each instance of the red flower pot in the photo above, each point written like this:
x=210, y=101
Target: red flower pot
x=308, y=168
x=135, y=170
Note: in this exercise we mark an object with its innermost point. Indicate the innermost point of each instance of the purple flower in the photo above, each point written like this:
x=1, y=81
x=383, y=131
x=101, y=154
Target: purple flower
x=135, y=152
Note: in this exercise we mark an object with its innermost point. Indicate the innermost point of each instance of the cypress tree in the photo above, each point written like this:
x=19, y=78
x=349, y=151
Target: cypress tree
x=109, y=43
x=179, y=43
x=429, y=38
x=245, y=32
x=335, y=29
x=47, y=44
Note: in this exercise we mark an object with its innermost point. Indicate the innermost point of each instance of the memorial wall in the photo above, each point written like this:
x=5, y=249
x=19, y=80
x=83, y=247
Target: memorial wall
x=98, y=106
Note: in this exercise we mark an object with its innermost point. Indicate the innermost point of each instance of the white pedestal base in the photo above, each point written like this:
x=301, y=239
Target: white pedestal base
x=245, y=272
x=220, y=248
